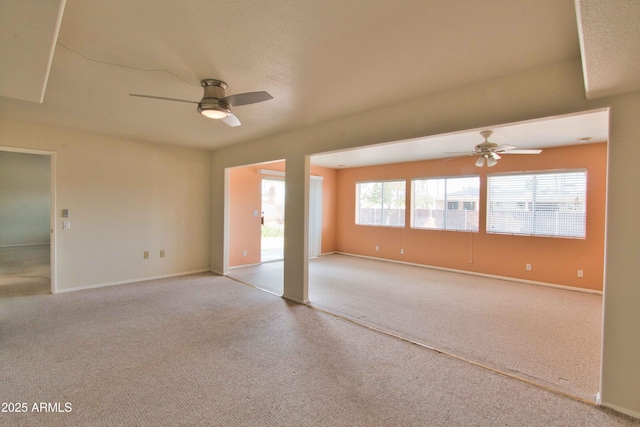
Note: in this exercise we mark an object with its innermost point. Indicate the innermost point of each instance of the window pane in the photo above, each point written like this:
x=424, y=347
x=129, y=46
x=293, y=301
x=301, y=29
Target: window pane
x=428, y=203
x=369, y=203
x=461, y=191
x=446, y=203
x=381, y=203
x=393, y=208
x=542, y=204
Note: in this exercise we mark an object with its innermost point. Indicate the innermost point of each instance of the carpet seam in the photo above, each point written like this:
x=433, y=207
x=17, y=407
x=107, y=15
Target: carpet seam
x=452, y=355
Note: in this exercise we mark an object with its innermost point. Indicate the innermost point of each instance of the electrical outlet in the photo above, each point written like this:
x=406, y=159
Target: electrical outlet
x=161, y=253
x=528, y=267
x=145, y=254
x=580, y=273
x=244, y=253
x=377, y=248
x=401, y=251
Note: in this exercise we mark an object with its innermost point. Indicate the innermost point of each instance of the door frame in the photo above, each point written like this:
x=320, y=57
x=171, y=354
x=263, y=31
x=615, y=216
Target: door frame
x=52, y=210
x=270, y=176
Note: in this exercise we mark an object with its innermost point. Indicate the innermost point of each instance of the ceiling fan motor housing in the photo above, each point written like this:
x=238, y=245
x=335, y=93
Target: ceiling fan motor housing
x=214, y=91
x=486, y=147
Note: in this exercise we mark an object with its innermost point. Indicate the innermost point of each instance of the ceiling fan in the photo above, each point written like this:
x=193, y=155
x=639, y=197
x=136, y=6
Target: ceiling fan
x=491, y=151
x=215, y=105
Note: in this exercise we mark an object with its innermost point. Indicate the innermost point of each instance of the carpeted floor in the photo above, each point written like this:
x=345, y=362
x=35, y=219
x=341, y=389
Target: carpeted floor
x=205, y=350
x=548, y=336
x=25, y=270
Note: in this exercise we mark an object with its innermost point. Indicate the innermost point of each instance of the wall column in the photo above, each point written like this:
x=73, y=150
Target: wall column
x=296, y=229
x=620, y=388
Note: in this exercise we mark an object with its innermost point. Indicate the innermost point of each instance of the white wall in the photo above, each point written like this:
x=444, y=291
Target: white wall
x=25, y=199
x=553, y=90
x=125, y=197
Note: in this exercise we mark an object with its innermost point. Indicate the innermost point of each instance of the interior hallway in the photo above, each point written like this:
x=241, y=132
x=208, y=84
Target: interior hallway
x=548, y=336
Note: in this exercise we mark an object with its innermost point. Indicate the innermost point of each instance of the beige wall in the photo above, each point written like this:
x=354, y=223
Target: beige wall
x=124, y=197
x=553, y=90
x=25, y=199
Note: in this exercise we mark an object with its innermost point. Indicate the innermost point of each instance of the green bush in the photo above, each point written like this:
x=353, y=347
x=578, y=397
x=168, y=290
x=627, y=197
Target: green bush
x=273, y=230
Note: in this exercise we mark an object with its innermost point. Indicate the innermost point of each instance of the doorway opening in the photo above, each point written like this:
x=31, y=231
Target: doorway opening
x=272, y=220
x=27, y=249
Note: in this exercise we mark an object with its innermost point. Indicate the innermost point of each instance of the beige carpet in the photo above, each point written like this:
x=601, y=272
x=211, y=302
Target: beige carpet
x=204, y=350
x=549, y=336
x=25, y=270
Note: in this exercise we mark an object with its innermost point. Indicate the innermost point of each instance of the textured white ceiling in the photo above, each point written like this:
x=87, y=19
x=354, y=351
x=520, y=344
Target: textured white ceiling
x=319, y=59
x=610, y=43
x=28, y=33
x=543, y=133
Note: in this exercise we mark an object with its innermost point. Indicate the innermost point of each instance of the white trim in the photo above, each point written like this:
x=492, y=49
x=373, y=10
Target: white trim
x=226, y=200
x=53, y=267
x=473, y=273
x=24, y=245
x=303, y=302
x=124, y=282
x=622, y=410
x=280, y=173
x=270, y=172
x=52, y=238
x=246, y=265
x=25, y=150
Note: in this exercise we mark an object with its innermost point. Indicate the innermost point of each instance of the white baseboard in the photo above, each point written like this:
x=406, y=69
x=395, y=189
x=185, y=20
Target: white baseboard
x=622, y=410
x=124, y=282
x=24, y=245
x=246, y=265
x=473, y=273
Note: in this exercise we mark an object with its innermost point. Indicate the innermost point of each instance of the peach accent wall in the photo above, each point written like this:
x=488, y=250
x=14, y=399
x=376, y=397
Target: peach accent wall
x=553, y=260
x=245, y=196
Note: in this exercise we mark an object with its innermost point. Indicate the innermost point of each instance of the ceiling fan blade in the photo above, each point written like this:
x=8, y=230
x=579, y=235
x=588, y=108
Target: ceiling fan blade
x=163, y=98
x=231, y=120
x=521, y=152
x=246, y=98
x=462, y=153
x=503, y=147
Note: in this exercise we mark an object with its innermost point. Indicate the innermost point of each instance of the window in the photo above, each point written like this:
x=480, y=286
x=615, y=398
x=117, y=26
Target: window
x=431, y=196
x=381, y=203
x=538, y=204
